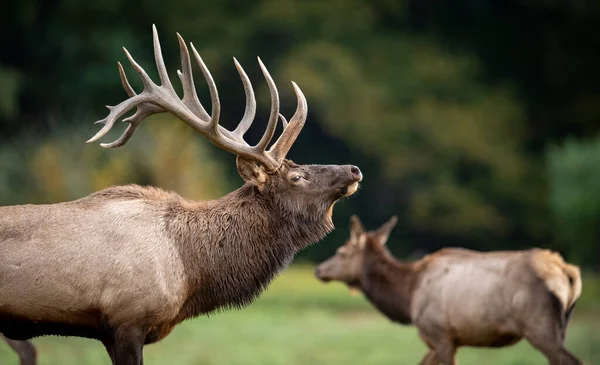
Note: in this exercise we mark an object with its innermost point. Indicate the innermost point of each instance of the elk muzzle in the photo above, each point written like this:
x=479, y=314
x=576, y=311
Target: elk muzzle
x=351, y=177
x=320, y=275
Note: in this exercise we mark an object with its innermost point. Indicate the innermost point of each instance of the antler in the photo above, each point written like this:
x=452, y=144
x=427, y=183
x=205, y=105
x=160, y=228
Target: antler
x=158, y=99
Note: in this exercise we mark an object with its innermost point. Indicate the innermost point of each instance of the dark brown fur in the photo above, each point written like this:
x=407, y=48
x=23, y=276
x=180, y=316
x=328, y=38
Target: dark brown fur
x=388, y=284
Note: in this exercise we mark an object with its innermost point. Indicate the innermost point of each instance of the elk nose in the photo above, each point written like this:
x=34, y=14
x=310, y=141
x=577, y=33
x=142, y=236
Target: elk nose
x=317, y=272
x=355, y=171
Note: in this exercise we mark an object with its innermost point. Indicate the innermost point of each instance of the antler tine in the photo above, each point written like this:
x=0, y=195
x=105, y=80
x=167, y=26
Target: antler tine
x=266, y=138
x=153, y=99
x=282, y=146
x=128, y=89
x=214, y=94
x=124, y=137
x=146, y=80
x=160, y=62
x=143, y=111
x=283, y=121
x=250, y=110
x=136, y=100
x=190, y=97
x=115, y=113
x=147, y=108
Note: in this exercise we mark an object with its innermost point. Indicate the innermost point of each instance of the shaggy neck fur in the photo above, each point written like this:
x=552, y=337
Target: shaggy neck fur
x=234, y=246
x=388, y=284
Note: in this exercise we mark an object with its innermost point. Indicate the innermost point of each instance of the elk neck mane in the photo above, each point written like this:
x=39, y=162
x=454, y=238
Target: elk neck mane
x=388, y=283
x=231, y=247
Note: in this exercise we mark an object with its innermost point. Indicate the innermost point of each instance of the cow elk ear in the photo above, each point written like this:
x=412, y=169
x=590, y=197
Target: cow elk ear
x=358, y=235
x=251, y=172
x=383, y=232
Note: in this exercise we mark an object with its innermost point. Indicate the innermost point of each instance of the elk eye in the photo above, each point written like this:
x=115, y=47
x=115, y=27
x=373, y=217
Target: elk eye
x=296, y=178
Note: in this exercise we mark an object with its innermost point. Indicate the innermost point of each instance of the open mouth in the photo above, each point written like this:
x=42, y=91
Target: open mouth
x=352, y=184
x=350, y=189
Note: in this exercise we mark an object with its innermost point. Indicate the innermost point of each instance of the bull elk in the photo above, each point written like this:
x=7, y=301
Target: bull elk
x=125, y=265
x=458, y=297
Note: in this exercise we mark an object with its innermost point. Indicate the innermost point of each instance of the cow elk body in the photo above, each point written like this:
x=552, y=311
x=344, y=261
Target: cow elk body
x=126, y=264
x=458, y=297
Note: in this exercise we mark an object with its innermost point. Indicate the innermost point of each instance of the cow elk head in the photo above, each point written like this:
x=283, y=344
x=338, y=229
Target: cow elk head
x=347, y=263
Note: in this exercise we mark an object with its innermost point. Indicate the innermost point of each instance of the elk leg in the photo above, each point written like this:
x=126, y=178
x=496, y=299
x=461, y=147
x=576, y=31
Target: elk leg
x=548, y=339
x=556, y=353
x=127, y=347
x=109, y=344
x=430, y=359
x=25, y=350
x=445, y=352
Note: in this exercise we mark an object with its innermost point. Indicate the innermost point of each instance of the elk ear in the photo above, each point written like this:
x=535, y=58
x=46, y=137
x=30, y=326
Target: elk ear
x=358, y=235
x=383, y=232
x=251, y=172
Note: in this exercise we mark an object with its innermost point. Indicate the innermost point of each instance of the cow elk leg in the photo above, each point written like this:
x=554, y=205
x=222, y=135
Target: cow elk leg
x=548, y=338
x=554, y=352
x=445, y=352
x=430, y=359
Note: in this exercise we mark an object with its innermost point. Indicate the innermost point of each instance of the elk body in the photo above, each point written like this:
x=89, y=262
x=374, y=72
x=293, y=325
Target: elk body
x=458, y=297
x=126, y=264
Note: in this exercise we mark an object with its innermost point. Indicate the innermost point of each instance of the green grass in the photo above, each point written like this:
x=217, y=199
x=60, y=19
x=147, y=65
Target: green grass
x=301, y=321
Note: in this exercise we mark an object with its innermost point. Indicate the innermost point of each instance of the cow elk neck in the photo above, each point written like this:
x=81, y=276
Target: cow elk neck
x=365, y=264
x=387, y=283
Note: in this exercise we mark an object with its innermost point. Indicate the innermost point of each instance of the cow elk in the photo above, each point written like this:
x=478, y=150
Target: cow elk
x=126, y=264
x=458, y=297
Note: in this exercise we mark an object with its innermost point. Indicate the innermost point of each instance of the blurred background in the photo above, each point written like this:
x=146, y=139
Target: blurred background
x=476, y=122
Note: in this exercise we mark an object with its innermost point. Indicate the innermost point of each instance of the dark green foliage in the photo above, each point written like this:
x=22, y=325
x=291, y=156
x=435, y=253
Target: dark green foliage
x=574, y=177
x=448, y=108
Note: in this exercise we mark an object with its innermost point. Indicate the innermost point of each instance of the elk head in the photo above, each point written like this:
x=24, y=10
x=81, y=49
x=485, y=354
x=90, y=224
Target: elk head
x=347, y=263
x=306, y=190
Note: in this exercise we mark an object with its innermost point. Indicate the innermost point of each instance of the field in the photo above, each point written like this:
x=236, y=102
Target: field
x=301, y=321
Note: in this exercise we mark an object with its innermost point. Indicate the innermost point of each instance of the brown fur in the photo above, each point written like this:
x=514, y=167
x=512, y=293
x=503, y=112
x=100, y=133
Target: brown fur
x=458, y=297
x=127, y=264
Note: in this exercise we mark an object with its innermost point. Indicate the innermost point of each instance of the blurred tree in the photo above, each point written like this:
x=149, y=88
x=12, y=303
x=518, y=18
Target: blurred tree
x=548, y=49
x=453, y=144
x=575, y=197
x=62, y=168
